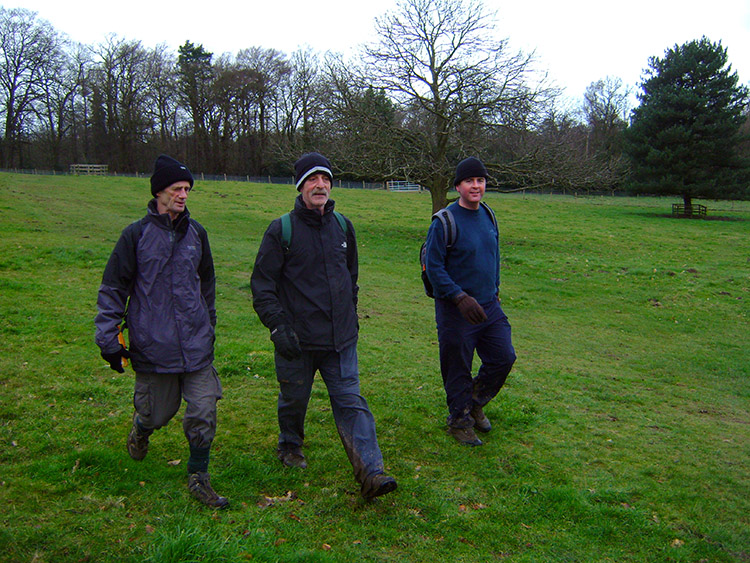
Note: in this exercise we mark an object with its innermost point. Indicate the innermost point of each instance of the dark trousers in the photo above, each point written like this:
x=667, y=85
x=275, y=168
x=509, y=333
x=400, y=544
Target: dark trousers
x=354, y=421
x=458, y=339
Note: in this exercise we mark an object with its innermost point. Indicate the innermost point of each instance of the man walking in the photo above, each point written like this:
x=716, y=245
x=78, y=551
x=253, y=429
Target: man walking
x=160, y=280
x=304, y=286
x=466, y=279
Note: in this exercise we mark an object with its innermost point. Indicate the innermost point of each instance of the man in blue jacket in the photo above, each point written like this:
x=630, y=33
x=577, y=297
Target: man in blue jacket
x=160, y=280
x=305, y=292
x=466, y=280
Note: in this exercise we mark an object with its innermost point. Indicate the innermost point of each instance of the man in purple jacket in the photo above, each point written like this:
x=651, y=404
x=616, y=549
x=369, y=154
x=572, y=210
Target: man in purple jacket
x=160, y=281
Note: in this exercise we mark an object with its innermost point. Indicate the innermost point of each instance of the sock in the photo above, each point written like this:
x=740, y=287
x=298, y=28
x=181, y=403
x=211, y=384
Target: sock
x=142, y=430
x=198, y=461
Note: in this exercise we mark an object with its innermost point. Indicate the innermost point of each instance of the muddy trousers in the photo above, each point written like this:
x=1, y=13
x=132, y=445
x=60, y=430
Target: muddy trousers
x=158, y=397
x=354, y=421
x=458, y=339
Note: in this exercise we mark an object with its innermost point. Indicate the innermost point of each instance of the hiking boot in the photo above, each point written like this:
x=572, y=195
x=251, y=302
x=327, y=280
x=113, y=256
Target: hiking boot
x=292, y=458
x=137, y=442
x=377, y=485
x=199, y=485
x=466, y=436
x=481, y=422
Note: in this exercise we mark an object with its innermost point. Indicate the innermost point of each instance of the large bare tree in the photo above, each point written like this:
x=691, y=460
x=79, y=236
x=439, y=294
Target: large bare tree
x=60, y=79
x=120, y=102
x=441, y=64
x=25, y=47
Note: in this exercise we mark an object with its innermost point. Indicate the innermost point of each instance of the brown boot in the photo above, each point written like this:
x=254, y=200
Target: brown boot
x=465, y=436
x=199, y=485
x=481, y=422
x=292, y=458
x=137, y=442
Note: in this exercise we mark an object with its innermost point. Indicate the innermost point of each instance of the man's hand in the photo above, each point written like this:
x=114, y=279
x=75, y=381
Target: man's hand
x=115, y=359
x=470, y=309
x=286, y=342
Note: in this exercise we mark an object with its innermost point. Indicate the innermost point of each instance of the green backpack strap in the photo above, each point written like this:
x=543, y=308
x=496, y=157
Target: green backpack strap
x=286, y=228
x=286, y=231
x=340, y=219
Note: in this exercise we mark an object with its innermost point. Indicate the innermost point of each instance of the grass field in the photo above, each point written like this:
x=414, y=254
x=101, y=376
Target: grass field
x=623, y=433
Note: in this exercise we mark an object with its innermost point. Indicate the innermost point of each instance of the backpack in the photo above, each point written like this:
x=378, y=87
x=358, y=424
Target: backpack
x=286, y=228
x=450, y=234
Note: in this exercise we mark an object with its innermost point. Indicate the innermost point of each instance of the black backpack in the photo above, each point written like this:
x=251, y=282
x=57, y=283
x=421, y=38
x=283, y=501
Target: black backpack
x=450, y=234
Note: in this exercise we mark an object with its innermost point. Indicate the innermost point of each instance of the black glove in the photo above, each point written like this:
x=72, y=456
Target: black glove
x=470, y=309
x=115, y=359
x=286, y=342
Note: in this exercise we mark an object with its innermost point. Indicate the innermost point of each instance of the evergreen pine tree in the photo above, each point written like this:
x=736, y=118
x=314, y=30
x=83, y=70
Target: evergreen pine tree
x=685, y=135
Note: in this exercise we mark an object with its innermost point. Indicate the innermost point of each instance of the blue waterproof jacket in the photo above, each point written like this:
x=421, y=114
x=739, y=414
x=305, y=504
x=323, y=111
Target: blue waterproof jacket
x=161, y=277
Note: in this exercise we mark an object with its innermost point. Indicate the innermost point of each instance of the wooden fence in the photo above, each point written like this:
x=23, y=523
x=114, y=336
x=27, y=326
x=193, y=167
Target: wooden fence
x=89, y=169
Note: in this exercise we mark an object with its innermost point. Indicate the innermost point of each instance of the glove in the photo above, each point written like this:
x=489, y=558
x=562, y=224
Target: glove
x=286, y=342
x=470, y=309
x=115, y=359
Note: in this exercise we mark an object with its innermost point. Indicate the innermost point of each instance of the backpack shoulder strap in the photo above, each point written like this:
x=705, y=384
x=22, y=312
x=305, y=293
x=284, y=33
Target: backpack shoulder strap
x=286, y=228
x=449, y=226
x=286, y=231
x=492, y=213
x=341, y=220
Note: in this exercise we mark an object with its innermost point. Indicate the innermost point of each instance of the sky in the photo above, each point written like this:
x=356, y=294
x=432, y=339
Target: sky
x=576, y=42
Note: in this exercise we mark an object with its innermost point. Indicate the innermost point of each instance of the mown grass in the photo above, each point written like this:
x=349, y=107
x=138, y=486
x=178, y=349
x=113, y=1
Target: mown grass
x=622, y=434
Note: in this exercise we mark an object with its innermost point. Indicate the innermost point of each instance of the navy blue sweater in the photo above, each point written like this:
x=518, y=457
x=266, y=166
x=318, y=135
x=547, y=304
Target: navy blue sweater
x=472, y=264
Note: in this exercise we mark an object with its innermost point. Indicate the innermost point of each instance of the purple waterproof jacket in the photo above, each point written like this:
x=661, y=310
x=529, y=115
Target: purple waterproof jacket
x=160, y=280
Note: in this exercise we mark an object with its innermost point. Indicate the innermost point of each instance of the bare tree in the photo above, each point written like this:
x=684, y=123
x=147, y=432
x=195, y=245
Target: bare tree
x=161, y=75
x=120, y=102
x=25, y=45
x=60, y=79
x=439, y=62
x=606, y=108
x=265, y=71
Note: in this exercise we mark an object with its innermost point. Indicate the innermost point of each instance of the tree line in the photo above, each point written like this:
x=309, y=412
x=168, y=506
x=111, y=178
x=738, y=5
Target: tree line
x=433, y=88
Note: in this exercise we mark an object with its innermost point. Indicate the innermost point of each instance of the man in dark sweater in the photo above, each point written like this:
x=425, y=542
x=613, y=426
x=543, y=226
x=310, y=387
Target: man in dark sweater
x=305, y=292
x=466, y=280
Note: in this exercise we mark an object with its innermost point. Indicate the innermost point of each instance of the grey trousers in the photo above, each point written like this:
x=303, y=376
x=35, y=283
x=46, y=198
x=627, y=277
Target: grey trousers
x=158, y=397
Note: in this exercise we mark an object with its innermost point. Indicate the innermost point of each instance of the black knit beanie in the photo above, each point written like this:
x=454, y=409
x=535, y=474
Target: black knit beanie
x=470, y=167
x=309, y=164
x=167, y=171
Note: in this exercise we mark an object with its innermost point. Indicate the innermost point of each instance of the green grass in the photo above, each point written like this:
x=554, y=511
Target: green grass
x=623, y=433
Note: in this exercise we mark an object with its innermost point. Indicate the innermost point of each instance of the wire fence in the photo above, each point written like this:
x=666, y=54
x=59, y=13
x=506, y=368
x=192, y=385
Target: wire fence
x=362, y=185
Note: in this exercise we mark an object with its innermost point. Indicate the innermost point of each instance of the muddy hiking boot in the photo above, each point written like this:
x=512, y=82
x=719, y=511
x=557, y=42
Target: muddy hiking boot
x=465, y=436
x=292, y=458
x=377, y=485
x=137, y=442
x=481, y=422
x=199, y=485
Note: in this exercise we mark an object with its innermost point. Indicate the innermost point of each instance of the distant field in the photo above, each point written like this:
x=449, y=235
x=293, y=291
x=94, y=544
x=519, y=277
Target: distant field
x=623, y=433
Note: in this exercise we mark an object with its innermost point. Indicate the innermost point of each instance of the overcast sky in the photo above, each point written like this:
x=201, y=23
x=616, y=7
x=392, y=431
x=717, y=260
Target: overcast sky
x=577, y=42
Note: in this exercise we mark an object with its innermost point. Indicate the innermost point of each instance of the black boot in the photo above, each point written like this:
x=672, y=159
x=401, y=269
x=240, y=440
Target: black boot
x=377, y=485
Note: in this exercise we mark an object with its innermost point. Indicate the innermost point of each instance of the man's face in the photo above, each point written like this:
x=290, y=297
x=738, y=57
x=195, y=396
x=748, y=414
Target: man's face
x=471, y=191
x=316, y=191
x=172, y=198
